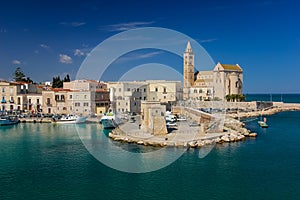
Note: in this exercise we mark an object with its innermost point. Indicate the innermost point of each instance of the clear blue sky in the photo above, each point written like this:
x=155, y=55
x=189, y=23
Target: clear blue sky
x=48, y=38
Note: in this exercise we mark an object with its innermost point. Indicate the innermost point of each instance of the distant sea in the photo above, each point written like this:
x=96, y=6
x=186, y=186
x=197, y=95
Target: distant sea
x=46, y=161
x=287, y=98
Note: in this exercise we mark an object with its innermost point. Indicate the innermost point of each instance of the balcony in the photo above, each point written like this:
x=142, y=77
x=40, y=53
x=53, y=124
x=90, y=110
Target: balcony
x=3, y=101
x=11, y=101
x=49, y=104
x=60, y=100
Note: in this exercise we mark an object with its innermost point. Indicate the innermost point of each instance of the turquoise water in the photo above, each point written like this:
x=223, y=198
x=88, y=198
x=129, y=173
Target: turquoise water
x=287, y=98
x=43, y=161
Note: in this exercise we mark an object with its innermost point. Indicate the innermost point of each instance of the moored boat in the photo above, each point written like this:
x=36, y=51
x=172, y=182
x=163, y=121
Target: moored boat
x=263, y=124
x=6, y=120
x=70, y=119
x=109, y=120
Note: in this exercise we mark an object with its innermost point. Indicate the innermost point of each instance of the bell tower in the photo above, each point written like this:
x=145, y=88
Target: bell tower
x=188, y=69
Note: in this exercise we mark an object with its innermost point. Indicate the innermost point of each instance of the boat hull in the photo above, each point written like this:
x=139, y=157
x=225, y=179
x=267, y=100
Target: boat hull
x=263, y=124
x=78, y=120
x=7, y=122
x=108, y=123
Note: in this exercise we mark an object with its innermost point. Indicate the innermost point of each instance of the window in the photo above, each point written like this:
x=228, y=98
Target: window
x=77, y=104
x=165, y=89
x=165, y=97
x=85, y=104
x=70, y=96
x=144, y=89
x=195, y=91
x=156, y=89
x=37, y=101
x=85, y=96
x=29, y=101
x=200, y=91
x=3, y=89
x=144, y=98
x=128, y=89
x=62, y=97
x=138, y=89
x=56, y=97
x=120, y=90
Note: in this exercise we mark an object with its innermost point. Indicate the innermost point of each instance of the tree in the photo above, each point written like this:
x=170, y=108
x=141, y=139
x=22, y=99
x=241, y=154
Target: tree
x=67, y=78
x=56, y=82
x=19, y=76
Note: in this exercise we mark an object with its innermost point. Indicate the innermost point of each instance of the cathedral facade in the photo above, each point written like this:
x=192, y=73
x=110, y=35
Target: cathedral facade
x=223, y=80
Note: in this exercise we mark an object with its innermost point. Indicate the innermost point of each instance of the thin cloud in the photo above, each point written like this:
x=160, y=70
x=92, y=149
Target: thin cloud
x=126, y=26
x=63, y=58
x=78, y=52
x=73, y=24
x=16, y=62
x=138, y=56
x=208, y=40
x=44, y=46
x=149, y=55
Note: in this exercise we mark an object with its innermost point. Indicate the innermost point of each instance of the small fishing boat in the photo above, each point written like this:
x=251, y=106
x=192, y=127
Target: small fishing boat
x=6, y=120
x=263, y=123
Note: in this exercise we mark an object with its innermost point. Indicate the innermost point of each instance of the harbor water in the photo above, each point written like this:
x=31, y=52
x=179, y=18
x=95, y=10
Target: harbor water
x=46, y=161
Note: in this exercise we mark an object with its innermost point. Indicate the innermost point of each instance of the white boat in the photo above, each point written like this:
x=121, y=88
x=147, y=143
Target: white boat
x=109, y=120
x=5, y=120
x=70, y=119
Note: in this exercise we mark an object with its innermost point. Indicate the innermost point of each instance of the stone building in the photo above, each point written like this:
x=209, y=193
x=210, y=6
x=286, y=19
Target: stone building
x=223, y=80
x=127, y=96
x=153, y=117
x=20, y=96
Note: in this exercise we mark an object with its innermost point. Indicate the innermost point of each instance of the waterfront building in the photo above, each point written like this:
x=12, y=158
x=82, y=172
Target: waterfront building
x=87, y=97
x=223, y=80
x=8, y=95
x=55, y=101
x=127, y=95
x=164, y=91
x=20, y=96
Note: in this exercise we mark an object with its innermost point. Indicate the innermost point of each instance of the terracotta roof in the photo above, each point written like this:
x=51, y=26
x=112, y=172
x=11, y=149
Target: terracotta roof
x=231, y=67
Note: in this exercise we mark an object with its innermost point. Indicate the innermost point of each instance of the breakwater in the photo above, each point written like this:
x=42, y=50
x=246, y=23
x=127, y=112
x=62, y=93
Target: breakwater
x=183, y=136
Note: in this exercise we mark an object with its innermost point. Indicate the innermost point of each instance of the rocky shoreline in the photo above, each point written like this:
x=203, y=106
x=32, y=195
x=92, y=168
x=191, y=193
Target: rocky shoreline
x=234, y=131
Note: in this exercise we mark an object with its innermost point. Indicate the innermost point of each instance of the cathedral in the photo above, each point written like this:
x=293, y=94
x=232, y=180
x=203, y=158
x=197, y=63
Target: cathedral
x=223, y=80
